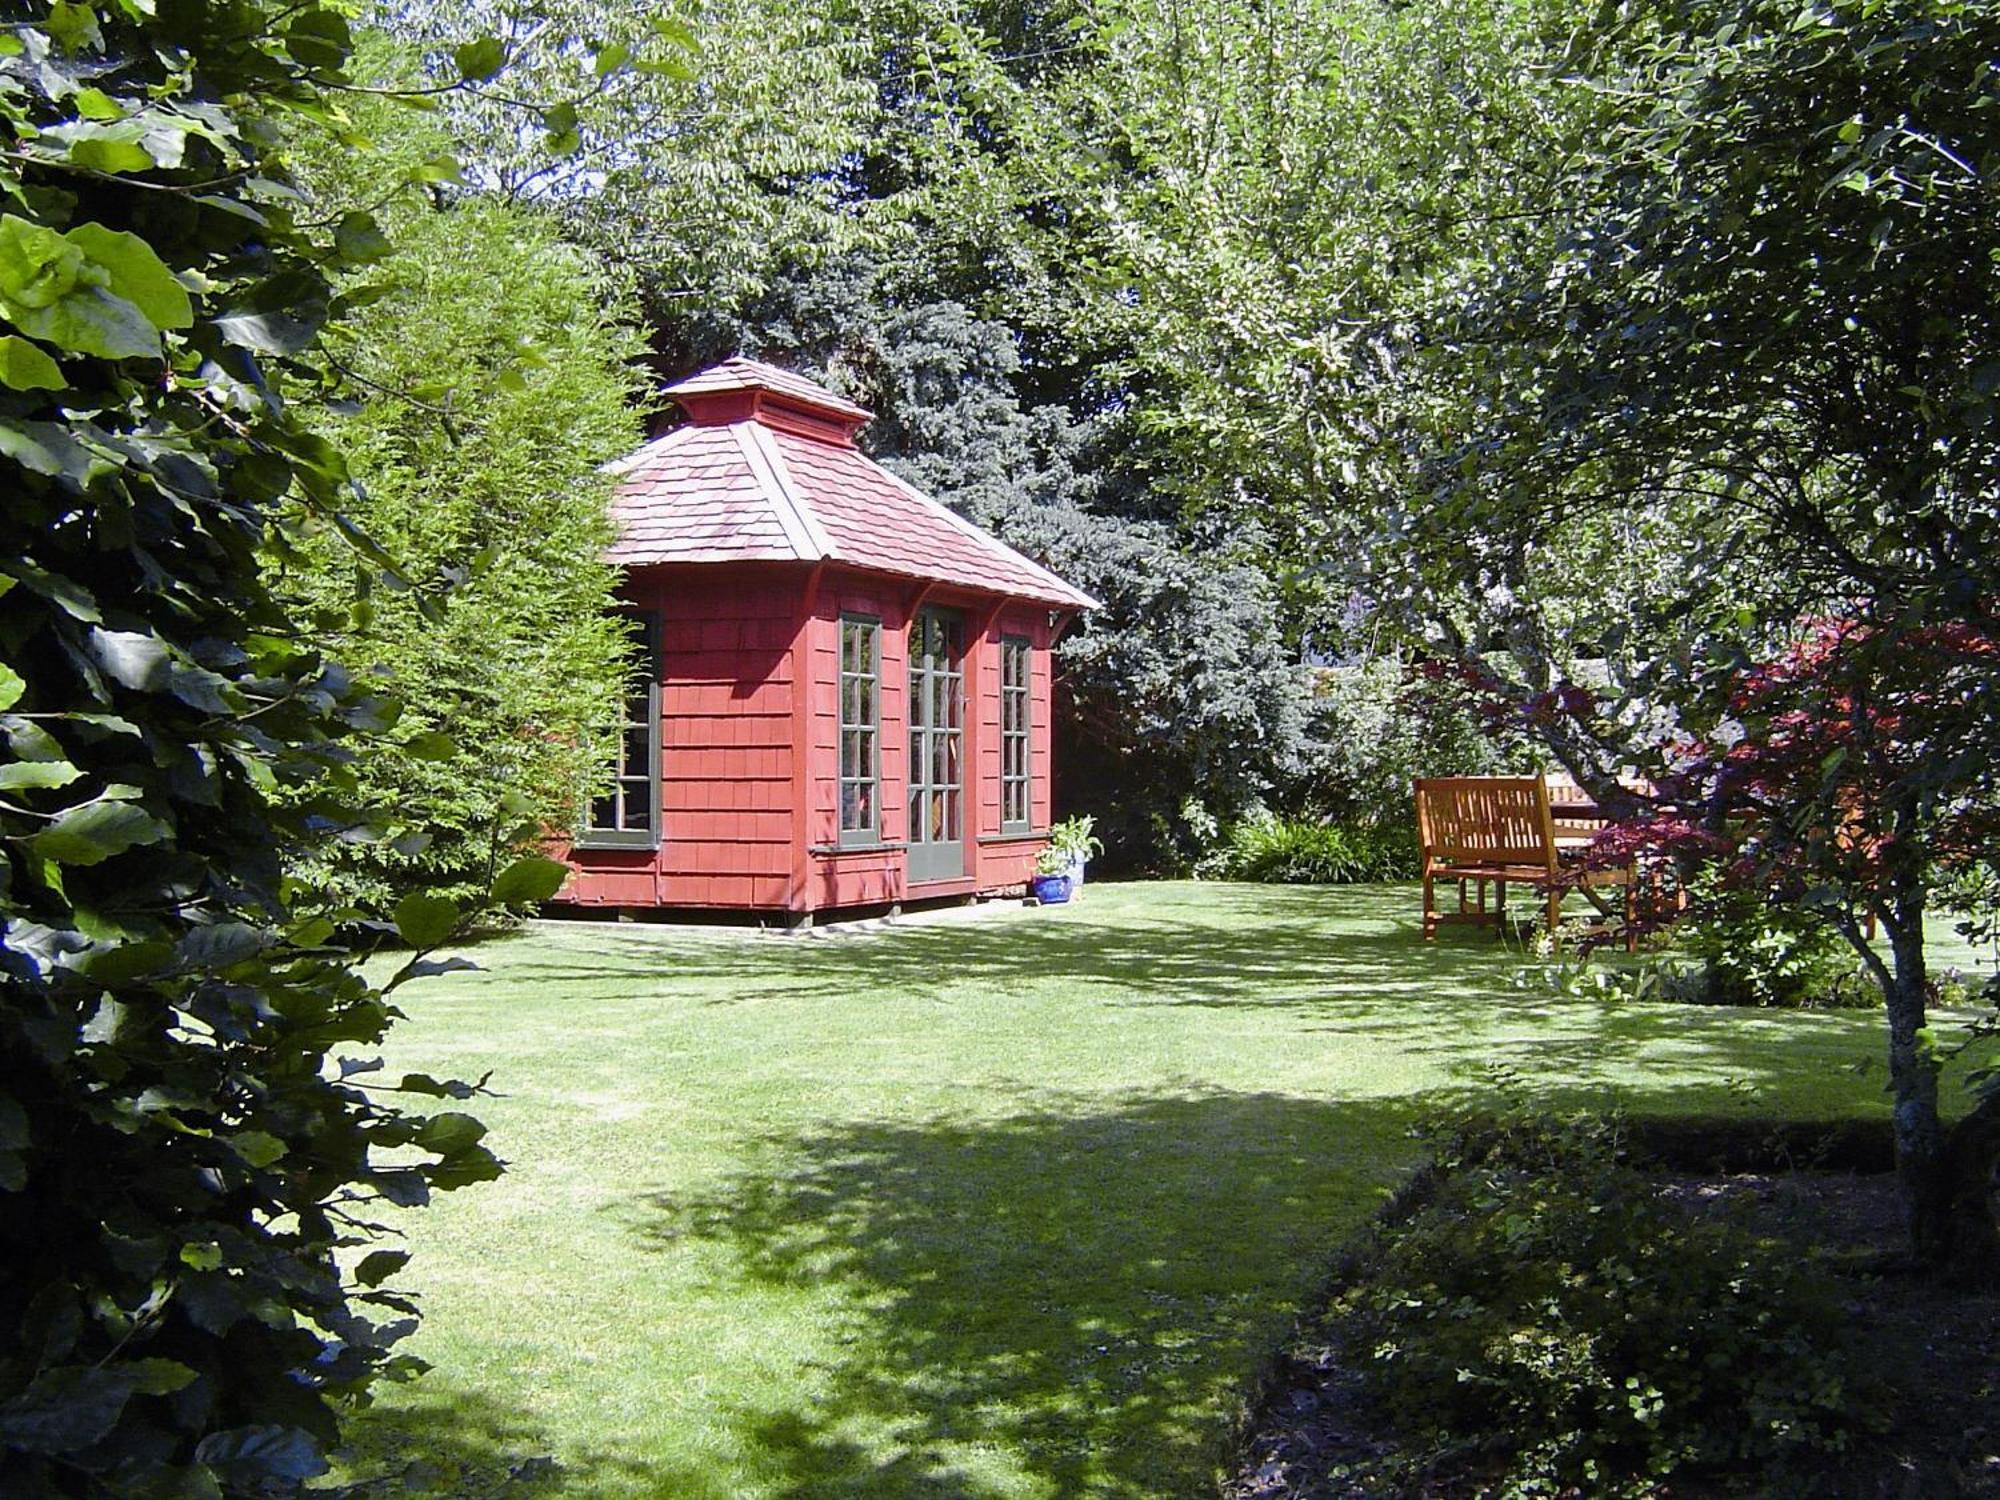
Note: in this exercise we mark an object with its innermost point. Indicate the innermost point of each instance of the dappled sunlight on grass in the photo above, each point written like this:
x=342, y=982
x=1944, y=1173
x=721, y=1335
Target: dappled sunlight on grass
x=1010, y=1206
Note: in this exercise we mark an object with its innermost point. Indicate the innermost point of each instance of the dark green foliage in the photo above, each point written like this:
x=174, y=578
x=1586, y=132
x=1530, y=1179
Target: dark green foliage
x=1375, y=723
x=186, y=1149
x=1750, y=950
x=1301, y=851
x=494, y=366
x=1547, y=1310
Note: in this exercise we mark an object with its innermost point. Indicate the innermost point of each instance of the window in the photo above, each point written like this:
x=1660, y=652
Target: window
x=1016, y=804
x=860, y=729
x=628, y=816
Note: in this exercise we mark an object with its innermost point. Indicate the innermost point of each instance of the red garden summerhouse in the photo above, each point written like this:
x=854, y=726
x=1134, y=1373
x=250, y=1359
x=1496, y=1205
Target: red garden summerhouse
x=849, y=694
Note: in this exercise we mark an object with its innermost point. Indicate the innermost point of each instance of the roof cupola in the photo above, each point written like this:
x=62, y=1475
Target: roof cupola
x=747, y=390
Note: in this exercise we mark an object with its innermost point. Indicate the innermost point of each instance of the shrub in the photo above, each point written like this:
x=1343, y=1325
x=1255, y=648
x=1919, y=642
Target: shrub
x=1750, y=950
x=494, y=368
x=1301, y=851
x=1548, y=1309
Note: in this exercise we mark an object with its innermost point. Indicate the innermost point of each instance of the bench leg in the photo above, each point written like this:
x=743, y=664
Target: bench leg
x=1430, y=907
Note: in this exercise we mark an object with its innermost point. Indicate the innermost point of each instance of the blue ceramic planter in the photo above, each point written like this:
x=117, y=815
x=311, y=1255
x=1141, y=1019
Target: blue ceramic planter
x=1050, y=890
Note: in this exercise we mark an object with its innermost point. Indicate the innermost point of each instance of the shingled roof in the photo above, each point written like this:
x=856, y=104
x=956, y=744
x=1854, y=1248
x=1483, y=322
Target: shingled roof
x=765, y=469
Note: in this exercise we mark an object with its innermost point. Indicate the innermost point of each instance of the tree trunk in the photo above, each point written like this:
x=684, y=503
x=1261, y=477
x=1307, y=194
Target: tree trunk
x=1947, y=1177
x=1913, y=1083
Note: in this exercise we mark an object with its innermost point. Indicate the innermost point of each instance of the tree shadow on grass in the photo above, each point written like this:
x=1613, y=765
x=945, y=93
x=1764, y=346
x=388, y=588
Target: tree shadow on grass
x=440, y=1438
x=1182, y=944
x=1074, y=1300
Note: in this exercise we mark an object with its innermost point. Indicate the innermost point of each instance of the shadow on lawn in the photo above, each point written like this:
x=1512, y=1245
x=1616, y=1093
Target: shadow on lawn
x=452, y=1441
x=1210, y=943
x=1349, y=960
x=1079, y=1296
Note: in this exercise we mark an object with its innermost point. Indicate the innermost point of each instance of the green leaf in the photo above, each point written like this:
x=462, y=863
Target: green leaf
x=93, y=833
x=530, y=879
x=675, y=33
x=95, y=104
x=480, y=60
x=36, y=775
x=258, y=1147
x=434, y=744
x=204, y=1257
x=359, y=240
x=665, y=67
x=23, y=367
x=611, y=59
x=73, y=26
x=11, y=686
x=38, y=267
x=450, y=1133
x=137, y=275
x=279, y=316
x=132, y=658
x=158, y=1377
x=380, y=1265
x=261, y=1457
x=109, y=155
x=441, y=169
x=93, y=321
x=66, y=1409
x=424, y=920
x=319, y=38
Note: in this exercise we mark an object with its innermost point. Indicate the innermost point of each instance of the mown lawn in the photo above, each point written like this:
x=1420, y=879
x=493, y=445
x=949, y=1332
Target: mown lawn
x=1006, y=1207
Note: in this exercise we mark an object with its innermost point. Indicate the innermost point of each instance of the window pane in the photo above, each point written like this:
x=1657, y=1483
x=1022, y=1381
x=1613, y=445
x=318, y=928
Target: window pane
x=916, y=830
x=850, y=807
x=937, y=823
x=951, y=759
x=865, y=696
x=638, y=804
x=864, y=649
x=916, y=767
x=603, y=812
x=951, y=816
x=850, y=700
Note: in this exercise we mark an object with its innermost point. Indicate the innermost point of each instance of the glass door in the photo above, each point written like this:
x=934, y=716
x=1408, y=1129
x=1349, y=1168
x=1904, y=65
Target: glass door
x=937, y=747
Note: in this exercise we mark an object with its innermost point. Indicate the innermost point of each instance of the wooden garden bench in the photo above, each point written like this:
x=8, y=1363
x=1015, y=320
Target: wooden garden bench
x=1498, y=830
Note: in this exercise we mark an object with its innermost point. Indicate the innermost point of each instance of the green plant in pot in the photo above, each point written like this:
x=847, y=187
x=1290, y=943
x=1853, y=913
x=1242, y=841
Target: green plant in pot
x=1052, y=881
x=1072, y=845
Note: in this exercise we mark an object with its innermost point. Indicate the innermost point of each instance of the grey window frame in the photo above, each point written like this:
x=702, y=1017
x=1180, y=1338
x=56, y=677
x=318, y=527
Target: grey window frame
x=621, y=837
x=1024, y=734
x=870, y=837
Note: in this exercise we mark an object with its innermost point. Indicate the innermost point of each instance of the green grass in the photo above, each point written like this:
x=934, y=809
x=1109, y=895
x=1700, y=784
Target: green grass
x=1013, y=1207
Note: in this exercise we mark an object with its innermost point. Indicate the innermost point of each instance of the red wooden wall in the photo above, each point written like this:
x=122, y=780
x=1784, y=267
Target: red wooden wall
x=726, y=737
x=750, y=742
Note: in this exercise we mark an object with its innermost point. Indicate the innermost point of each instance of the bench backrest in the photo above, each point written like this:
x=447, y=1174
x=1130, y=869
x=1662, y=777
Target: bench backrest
x=1485, y=820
